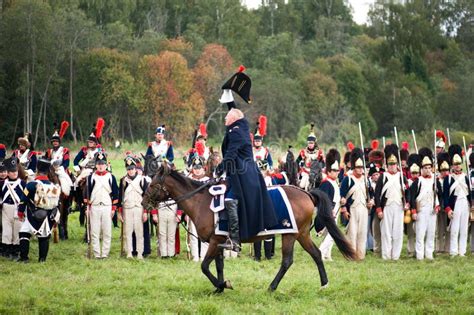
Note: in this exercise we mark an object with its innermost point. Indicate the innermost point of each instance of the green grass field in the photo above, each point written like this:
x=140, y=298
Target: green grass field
x=70, y=283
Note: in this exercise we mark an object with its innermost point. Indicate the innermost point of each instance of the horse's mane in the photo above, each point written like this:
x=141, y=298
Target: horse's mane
x=184, y=180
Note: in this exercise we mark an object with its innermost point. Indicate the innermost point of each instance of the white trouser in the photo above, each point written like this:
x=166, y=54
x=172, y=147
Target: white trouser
x=194, y=243
x=11, y=225
x=443, y=236
x=101, y=222
x=411, y=234
x=133, y=220
x=472, y=237
x=357, y=229
x=376, y=234
x=167, y=227
x=326, y=246
x=459, y=227
x=391, y=228
x=425, y=228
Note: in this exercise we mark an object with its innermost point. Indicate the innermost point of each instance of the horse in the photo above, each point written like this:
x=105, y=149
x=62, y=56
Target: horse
x=290, y=167
x=311, y=179
x=194, y=199
x=213, y=161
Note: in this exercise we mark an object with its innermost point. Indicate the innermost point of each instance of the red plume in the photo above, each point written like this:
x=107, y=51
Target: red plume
x=374, y=144
x=202, y=130
x=440, y=134
x=200, y=148
x=241, y=68
x=99, y=127
x=127, y=153
x=2, y=146
x=350, y=146
x=405, y=145
x=262, y=125
x=62, y=131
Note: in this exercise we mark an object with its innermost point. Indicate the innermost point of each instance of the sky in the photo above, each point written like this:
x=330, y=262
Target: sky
x=360, y=8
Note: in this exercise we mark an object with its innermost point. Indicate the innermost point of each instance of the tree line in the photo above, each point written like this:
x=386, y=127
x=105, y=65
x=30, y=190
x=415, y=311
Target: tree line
x=143, y=63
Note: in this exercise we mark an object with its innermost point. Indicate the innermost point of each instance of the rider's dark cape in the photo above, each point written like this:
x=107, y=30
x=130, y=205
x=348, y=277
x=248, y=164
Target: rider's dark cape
x=247, y=184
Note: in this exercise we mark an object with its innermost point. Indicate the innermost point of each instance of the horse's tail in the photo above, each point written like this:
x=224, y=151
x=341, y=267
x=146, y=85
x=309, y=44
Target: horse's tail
x=322, y=202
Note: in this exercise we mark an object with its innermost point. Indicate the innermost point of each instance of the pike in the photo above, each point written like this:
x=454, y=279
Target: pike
x=363, y=161
x=88, y=223
x=414, y=141
x=449, y=136
x=383, y=142
x=122, y=240
x=400, y=166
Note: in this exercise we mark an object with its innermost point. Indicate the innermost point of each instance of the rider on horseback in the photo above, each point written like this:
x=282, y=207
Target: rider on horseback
x=307, y=156
x=247, y=200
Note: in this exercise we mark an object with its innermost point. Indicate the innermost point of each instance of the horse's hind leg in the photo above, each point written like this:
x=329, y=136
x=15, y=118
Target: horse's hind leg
x=308, y=244
x=288, y=242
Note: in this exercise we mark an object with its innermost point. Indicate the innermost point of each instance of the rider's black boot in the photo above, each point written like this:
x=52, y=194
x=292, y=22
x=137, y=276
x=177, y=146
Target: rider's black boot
x=233, y=242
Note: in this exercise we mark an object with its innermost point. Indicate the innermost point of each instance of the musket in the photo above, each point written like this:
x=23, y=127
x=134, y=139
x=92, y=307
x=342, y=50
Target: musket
x=449, y=136
x=414, y=140
x=401, y=169
x=55, y=233
x=363, y=161
x=188, y=249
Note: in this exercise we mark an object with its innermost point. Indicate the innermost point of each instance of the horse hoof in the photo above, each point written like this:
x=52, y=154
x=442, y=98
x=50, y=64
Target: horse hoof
x=228, y=285
x=324, y=286
x=219, y=291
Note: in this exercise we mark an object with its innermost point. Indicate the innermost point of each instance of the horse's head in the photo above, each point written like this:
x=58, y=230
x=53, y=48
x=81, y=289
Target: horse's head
x=316, y=173
x=152, y=164
x=157, y=191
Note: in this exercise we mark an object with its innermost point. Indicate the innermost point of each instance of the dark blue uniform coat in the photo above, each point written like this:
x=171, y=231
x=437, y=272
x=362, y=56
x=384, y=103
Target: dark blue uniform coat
x=246, y=183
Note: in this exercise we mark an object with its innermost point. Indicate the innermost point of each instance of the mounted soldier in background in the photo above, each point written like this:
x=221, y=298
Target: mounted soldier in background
x=311, y=162
x=26, y=156
x=59, y=157
x=84, y=164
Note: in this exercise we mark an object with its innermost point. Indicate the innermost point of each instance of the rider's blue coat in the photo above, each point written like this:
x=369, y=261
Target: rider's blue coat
x=246, y=182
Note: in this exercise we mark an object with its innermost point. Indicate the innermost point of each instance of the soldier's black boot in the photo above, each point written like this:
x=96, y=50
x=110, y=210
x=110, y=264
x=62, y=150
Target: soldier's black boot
x=15, y=252
x=24, y=247
x=233, y=242
x=43, y=245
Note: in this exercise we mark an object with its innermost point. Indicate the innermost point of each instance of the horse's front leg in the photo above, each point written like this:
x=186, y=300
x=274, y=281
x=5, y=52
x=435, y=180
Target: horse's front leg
x=214, y=253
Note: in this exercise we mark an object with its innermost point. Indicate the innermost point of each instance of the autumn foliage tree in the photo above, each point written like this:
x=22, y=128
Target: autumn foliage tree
x=170, y=97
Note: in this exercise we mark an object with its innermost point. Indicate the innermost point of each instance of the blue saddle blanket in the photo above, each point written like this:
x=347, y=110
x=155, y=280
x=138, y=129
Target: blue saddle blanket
x=283, y=211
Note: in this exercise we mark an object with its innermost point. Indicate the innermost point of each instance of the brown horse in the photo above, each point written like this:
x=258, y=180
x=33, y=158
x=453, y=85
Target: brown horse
x=194, y=199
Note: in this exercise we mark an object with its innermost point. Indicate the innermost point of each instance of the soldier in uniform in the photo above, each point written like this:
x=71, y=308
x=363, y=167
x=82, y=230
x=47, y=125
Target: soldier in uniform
x=58, y=154
x=414, y=164
x=374, y=221
x=84, y=163
x=11, y=194
x=259, y=151
x=331, y=187
x=199, y=147
x=404, y=153
x=168, y=219
x=471, y=178
x=26, y=156
x=198, y=248
x=424, y=206
x=39, y=212
x=354, y=197
x=102, y=199
x=390, y=195
x=442, y=233
x=161, y=147
x=440, y=142
x=131, y=212
x=307, y=155
x=457, y=200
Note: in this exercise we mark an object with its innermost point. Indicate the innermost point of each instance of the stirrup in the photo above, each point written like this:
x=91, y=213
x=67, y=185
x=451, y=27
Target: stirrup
x=230, y=245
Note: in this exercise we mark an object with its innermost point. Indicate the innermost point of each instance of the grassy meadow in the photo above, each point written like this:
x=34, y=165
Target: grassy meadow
x=70, y=283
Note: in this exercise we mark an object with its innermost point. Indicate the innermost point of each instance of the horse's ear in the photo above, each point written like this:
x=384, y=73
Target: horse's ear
x=143, y=156
x=165, y=168
x=211, y=150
